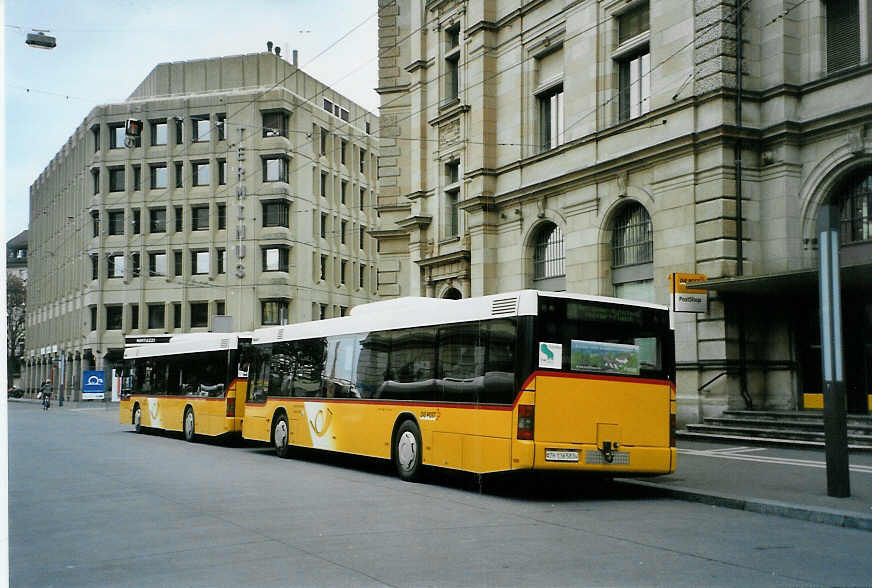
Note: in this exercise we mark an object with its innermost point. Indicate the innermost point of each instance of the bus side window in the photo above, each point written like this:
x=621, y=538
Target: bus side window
x=258, y=373
x=338, y=380
x=310, y=354
x=372, y=363
x=499, y=373
x=412, y=364
x=460, y=368
x=281, y=370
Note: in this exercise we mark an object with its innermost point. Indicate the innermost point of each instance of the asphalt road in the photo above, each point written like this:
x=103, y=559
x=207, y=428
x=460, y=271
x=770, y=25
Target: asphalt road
x=94, y=504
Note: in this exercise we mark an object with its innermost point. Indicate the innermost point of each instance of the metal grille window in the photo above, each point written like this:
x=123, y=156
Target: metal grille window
x=548, y=257
x=855, y=204
x=632, y=237
x=843, y=34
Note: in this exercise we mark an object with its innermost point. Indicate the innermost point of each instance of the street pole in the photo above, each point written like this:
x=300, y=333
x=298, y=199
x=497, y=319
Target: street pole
x=835, y=418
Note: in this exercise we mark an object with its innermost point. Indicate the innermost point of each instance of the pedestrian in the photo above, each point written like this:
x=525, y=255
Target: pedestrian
x=45, y=392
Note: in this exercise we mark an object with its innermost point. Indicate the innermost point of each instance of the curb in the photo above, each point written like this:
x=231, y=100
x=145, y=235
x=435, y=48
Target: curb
x=772, y=441
x=827, y=516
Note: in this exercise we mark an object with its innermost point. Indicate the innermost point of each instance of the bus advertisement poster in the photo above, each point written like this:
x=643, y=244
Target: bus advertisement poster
x=596, y=356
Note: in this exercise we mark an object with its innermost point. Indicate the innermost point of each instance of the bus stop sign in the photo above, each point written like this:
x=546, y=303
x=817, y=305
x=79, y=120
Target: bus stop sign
x=93, y=385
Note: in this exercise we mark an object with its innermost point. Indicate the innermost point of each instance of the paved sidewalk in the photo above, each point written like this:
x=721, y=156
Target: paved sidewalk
x=779, y=481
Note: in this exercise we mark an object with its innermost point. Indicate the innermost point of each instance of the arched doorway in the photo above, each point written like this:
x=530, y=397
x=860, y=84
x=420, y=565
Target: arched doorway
x=852, y=197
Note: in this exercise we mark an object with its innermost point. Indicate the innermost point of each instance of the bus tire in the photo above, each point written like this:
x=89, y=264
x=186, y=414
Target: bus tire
x=137, y=419
x=188, y=424
x=407, y=451
x=280, y=436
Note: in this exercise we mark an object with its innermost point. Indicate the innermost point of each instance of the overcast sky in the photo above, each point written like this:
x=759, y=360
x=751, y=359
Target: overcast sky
x=106, y=47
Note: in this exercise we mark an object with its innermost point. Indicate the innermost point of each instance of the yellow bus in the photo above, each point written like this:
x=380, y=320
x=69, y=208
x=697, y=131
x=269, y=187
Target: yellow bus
x=517, y=381
x=187, y=383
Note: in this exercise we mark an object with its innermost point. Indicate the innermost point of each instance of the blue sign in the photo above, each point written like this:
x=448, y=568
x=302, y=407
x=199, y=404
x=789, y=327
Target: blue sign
x=93, y=385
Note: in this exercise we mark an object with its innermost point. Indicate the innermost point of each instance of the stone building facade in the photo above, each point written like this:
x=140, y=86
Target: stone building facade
x=598, y=146
x=249, y=195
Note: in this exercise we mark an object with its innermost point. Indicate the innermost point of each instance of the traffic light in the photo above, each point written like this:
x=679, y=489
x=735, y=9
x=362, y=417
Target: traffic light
x=133, y=128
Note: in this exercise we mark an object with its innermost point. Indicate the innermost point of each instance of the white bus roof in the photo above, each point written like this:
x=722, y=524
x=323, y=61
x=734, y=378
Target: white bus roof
x=399, y=313
x=183, y=343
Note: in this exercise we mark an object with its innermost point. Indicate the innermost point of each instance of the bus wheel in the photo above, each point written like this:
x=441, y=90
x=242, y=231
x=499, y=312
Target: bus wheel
x=189, y=424
x=280, y=436
x=137, y=419
x=407, y=451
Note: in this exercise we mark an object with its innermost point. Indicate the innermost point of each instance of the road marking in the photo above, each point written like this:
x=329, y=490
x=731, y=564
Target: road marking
x=804, y=463
x=732, y=450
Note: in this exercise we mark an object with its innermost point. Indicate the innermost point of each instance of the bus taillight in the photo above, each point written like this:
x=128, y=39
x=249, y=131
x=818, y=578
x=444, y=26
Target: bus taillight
x=526, y=414
x=231, y=407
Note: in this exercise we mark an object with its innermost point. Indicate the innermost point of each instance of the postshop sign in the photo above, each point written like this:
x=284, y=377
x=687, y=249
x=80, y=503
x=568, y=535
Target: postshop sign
x=684, y=297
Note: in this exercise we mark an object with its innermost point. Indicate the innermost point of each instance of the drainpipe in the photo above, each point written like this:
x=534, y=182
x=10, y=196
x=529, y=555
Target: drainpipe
x=743, y=376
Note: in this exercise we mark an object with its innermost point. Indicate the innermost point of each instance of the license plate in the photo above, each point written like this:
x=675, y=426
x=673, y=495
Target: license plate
x=561, y=455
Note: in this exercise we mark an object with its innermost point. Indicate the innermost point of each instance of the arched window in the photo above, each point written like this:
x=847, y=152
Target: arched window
x=855, y=206
x=548, y=258
x=633, y=254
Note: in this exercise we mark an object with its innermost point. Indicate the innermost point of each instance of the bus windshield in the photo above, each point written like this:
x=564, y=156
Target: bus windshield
x=592, y=337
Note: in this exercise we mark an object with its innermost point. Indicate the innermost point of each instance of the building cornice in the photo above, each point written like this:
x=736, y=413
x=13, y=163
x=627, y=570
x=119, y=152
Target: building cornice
x=414, y=222
x=416, y=65
x=478, y=203
x=392, y=89
x=449, y=113
x=445, y=258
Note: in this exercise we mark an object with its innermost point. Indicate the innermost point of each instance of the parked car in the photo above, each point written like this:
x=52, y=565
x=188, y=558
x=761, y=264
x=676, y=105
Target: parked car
x=14, y=392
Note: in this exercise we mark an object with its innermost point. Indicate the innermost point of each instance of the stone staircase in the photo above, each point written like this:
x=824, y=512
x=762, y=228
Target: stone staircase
x=791, y=428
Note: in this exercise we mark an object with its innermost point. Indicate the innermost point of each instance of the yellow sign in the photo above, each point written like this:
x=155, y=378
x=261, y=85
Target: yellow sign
x=686, y=298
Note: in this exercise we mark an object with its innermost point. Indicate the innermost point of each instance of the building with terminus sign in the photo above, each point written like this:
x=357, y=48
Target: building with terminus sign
x=600, y=146
x=250, y=194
